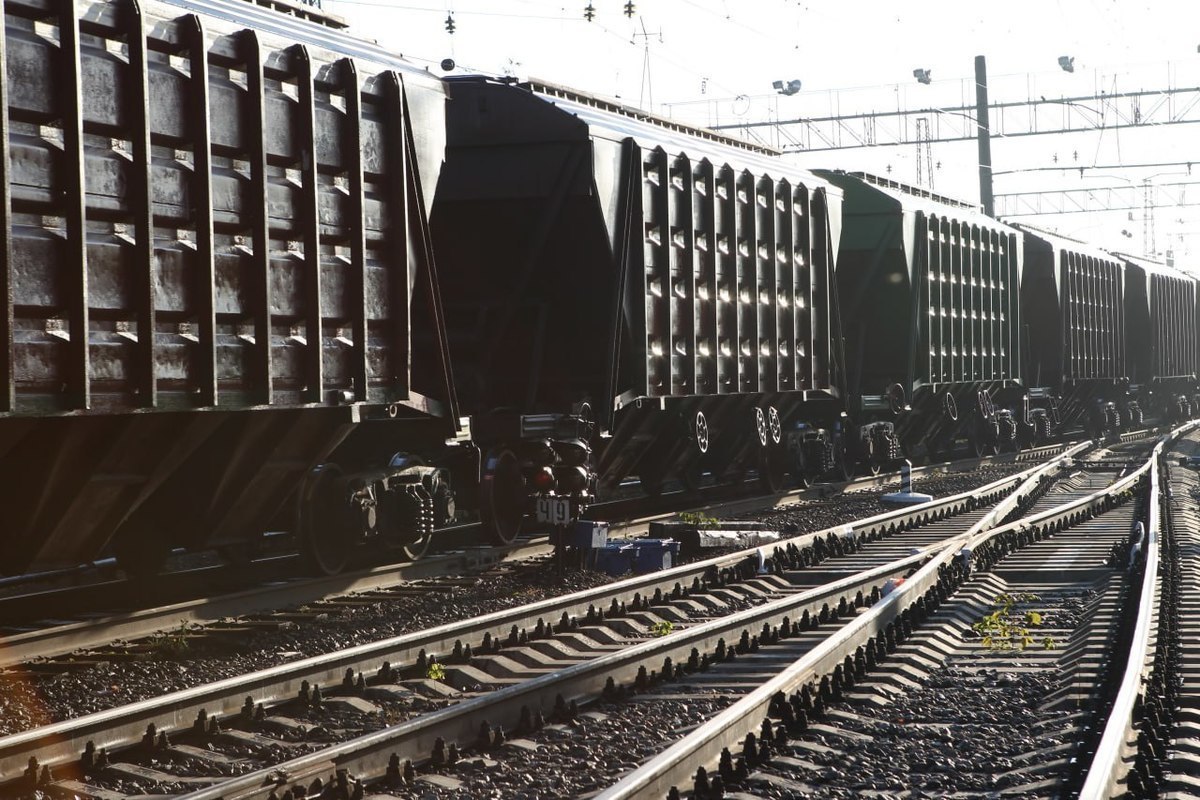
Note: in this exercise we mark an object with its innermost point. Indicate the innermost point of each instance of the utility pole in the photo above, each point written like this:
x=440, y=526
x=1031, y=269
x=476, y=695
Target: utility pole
x=985, y=137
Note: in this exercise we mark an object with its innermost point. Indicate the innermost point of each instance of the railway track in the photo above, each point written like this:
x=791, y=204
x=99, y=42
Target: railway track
x=58, y=623
x=936, y=687
x=572, y=647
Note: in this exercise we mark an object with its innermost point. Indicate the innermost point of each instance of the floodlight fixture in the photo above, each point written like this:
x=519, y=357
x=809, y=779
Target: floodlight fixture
x=787, y=88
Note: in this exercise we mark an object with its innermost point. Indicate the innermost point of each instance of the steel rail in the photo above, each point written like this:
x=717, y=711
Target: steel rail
x=62, y=742
x=674, y=766
x=62, y=639
x=456, y=541
x=1110, y=765
x=102, y=630
x=367, y=757
x=370, y=756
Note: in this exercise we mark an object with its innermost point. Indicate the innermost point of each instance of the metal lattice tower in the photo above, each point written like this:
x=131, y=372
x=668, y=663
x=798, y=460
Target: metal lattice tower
x=1147, y=217
x=924, y=153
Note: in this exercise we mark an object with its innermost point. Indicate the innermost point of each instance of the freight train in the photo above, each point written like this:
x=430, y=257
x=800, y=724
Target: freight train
x=262, y=275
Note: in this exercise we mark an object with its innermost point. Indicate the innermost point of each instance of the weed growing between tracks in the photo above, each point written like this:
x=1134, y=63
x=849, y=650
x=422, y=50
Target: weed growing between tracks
x=173, y=644
x=1003, y=630
x=662, y=628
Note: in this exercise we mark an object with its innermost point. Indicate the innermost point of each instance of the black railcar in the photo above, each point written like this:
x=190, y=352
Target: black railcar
x=930, y=314
x=1073, y=311
x=1161, y=337
x=213, y=229
x=661, y=295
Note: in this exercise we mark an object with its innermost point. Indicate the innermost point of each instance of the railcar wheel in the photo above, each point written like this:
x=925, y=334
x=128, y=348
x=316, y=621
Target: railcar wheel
x=774, y=425
x=760, y=427
x=502, y=497
x=950, y=407
x=700, y=432
x=416, y=549
x=327, y=523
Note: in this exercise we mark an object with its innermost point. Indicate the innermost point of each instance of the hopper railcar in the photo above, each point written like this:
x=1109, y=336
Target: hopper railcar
x=929, y=294
x=655, y=300
x=214, y=226
x=1073, y=298
x=1161, y=338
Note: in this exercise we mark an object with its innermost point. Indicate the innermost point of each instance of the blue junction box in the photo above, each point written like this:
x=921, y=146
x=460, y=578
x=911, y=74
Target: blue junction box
x=655, y=554
x=615, y=558
x=619, y=556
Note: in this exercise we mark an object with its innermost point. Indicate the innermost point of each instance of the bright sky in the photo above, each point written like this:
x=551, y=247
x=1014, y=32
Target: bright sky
x=713, y=61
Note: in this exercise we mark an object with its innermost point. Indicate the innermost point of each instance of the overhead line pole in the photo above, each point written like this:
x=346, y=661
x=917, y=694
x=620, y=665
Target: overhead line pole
x=984, y=134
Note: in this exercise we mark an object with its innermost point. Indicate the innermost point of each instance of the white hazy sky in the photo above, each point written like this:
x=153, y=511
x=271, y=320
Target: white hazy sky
x=713, y=61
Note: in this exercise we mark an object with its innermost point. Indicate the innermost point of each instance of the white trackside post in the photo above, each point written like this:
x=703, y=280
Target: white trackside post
x=906, y=496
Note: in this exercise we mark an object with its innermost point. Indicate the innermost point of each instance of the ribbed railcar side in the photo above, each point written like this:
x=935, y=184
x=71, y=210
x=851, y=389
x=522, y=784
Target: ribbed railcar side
x=214, y=233
x=677, y=282
x=1073, y=299
x=1161, y=321
x=929, y=299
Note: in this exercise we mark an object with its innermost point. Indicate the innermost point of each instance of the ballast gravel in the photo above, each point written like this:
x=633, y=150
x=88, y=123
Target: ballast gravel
x=30, y=699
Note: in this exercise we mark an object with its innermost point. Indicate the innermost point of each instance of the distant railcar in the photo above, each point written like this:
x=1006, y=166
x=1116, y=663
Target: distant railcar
x=929, y=298
x=1161, y=337
x=1074, y=324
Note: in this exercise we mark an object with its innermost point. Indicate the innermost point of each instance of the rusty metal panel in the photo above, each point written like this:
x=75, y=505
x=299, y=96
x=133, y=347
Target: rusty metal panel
x=967, y=301
x=802, y=281
x=784, y=338
x=1160, y=323
x=684, y=303
x=746, y=288
x=657, y=255
x=826, y=328
x=726, y=300
x=707, y=314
